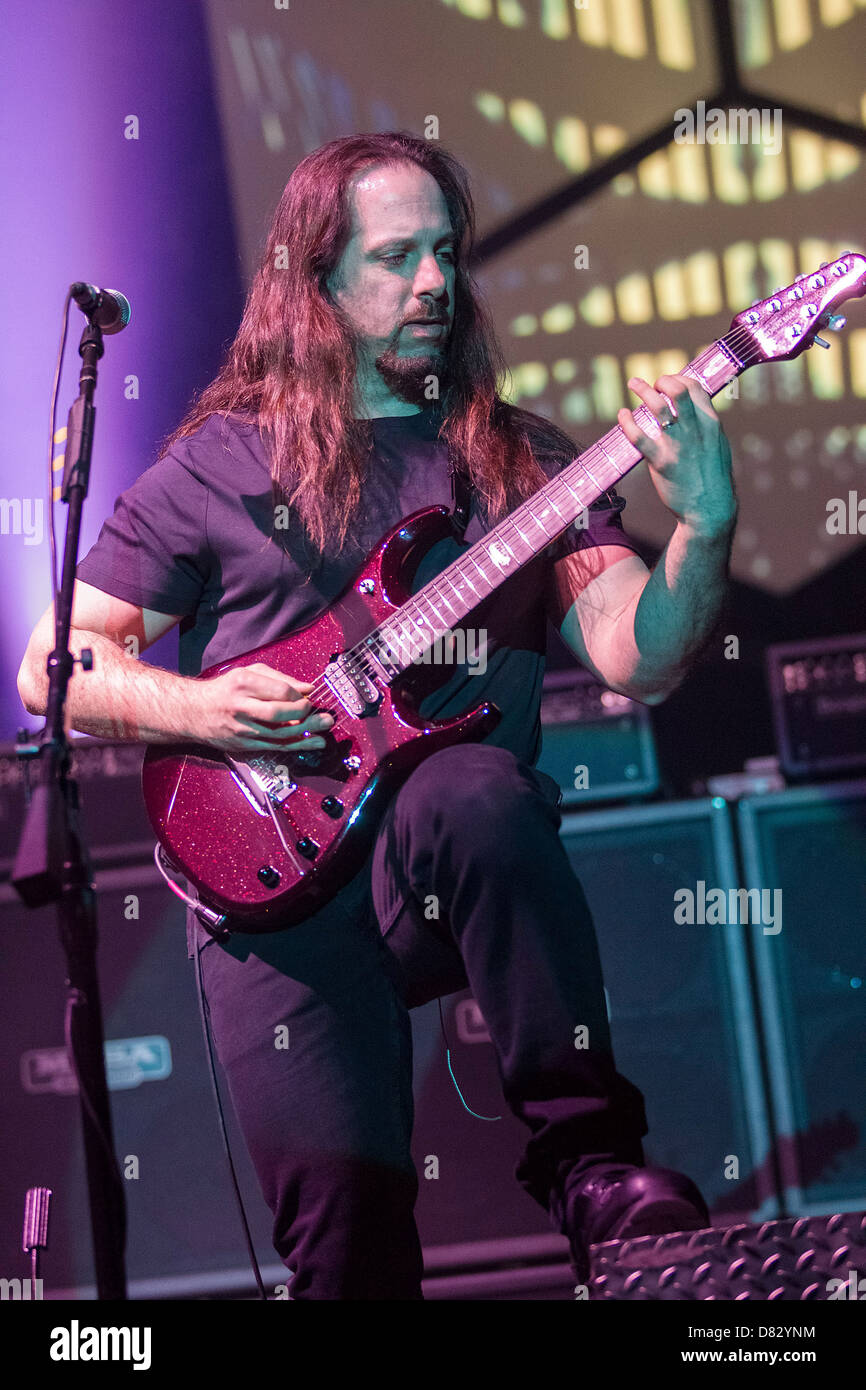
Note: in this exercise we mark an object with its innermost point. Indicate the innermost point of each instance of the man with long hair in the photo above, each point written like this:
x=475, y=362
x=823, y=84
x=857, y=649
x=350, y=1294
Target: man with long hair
x=364, y=380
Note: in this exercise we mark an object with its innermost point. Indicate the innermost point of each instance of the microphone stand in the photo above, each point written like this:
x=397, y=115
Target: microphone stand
x=52, y=863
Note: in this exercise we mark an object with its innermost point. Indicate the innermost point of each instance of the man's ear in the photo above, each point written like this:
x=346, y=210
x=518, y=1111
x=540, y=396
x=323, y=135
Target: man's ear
x=330, y=283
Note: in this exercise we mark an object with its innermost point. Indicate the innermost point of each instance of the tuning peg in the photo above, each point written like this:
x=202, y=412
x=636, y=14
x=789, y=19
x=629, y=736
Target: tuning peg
x=822, y=342
x=836, y=322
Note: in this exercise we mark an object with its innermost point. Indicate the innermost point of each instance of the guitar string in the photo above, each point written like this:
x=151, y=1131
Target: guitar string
x=354, y=657
x=557, y=490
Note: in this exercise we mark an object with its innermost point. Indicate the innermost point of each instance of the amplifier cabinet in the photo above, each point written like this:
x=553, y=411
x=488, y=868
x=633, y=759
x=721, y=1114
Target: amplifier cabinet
x=808, y=844
x=596, y=744
x=184, y=1231
x=818, y=696
x=680, y=996
x=683, y=1023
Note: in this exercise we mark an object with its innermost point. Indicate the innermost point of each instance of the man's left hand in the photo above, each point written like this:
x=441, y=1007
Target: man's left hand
x=689, y=461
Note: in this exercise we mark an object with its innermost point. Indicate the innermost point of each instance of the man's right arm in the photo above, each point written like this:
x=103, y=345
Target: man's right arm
x=124, y=698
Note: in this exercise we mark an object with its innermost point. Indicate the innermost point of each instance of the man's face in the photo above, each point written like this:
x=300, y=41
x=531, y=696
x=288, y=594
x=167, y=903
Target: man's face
x=398, y=267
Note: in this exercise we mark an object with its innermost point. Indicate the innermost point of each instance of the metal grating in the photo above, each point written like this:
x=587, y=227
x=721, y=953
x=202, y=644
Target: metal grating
x=788, y=1261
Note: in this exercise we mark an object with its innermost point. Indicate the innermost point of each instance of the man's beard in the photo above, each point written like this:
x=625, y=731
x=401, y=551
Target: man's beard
x=418, y=379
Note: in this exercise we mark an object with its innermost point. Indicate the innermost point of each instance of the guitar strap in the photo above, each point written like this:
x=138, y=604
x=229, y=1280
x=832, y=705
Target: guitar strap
x=461, y=494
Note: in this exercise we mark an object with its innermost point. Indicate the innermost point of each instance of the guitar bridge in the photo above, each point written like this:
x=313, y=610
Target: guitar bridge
x=260, y=781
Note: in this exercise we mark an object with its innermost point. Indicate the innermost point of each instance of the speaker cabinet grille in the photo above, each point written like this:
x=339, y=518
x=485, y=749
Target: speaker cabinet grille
x=810, y=844
x=679, y=993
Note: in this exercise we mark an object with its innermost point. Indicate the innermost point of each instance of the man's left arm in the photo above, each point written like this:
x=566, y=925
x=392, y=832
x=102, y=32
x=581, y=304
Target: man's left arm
x=640, y=631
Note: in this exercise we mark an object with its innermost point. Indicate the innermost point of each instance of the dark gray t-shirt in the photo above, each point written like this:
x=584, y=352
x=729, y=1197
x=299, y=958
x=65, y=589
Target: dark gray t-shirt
x=194, y=535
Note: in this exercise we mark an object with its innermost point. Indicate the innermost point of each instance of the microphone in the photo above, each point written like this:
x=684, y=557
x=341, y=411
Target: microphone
x=108, y=309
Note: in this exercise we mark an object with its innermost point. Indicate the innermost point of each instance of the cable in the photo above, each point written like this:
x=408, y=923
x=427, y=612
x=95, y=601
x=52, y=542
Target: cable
x=453, y=1077
x=52, y=430
x=203, y=1010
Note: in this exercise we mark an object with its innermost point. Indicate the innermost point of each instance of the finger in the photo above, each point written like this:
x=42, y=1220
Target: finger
x=275, y=683
x=658, y=411
x=275, y=714
x=633, y=432
x=702, y=403
x=279, y=749
x=647, y=393
x=677, y=391
x=248, y=732
x=277, y=711
x=663, y=399
x=281, y=743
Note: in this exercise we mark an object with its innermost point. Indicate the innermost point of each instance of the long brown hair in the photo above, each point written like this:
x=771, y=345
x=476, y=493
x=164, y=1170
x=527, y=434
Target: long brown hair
x=292, y=362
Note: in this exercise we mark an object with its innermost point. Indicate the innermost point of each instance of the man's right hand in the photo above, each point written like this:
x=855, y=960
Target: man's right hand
x=247, y=709
x=257, y=709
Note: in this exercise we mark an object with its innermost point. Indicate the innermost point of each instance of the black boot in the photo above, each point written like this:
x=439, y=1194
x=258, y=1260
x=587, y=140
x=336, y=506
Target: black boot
x=621, y=1202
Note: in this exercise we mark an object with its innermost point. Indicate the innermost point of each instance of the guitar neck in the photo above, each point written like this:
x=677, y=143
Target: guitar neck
x=448, y=599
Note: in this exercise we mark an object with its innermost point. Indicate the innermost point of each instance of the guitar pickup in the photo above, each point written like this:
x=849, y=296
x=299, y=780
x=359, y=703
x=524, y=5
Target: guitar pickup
x=352, y=687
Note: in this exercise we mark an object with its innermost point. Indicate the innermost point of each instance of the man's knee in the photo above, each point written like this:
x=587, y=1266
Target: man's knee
x=474, y=786
x=470, y=804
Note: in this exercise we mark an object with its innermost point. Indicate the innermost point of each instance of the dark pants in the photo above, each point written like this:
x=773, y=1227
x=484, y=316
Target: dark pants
x=311, y=1025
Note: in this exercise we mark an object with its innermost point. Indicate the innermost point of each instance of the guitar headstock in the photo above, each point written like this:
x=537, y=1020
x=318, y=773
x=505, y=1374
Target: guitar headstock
x=789, y=321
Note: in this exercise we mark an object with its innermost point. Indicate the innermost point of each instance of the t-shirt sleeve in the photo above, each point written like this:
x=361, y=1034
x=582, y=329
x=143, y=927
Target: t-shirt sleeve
x=153, y=550
x=603, y=524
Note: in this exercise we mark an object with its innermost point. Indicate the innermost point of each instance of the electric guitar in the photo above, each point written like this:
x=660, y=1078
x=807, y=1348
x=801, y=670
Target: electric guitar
x=268, y=839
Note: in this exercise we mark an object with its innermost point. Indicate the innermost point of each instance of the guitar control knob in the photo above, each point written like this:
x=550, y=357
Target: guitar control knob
x=307, y=847
x=269, y=876
x=333, y=806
